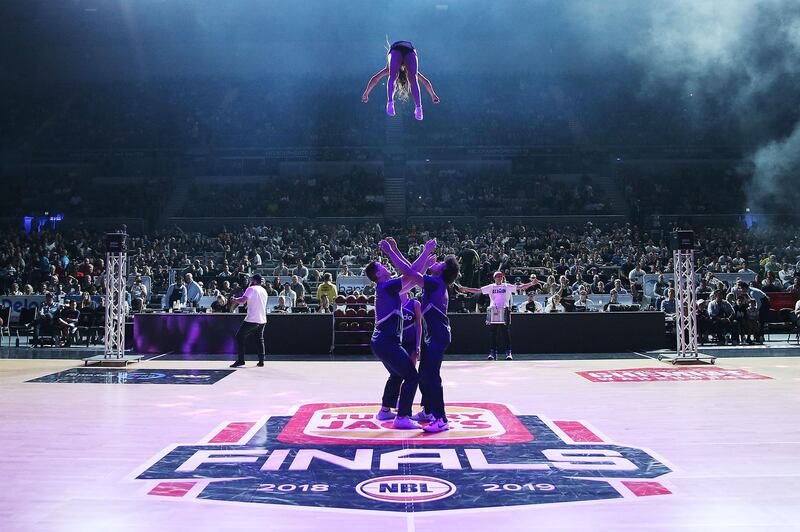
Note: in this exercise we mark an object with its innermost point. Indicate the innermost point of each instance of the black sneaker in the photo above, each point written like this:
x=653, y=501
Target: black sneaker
x=492, y=356
x=260, y=364
x=508, y=356
x=237, y=364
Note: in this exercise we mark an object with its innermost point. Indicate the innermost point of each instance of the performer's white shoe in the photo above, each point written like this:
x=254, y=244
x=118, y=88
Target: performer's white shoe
x=385, y=415
x=390, y=108
x=438, y=425
x=508, y=356
x=405, y=422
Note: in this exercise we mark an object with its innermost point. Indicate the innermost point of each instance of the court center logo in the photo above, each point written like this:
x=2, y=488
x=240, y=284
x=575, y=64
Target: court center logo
x=341, y=456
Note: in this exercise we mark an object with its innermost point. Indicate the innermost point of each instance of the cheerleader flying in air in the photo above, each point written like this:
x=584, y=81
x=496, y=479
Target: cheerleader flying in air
x=404, y=77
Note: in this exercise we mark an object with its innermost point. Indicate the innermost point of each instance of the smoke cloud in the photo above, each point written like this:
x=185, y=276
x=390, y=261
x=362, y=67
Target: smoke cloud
x=739, y=58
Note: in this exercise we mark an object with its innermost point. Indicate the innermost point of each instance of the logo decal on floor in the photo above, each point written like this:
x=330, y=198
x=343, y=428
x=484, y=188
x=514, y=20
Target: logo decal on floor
x=671, y=374
x=492, y=459
x=122, y=376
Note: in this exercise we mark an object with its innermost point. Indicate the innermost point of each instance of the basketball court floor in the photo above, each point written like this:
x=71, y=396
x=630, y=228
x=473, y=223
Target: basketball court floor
x=615, y=444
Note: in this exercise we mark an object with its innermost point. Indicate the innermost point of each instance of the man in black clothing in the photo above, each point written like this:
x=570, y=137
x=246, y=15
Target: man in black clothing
x=469, y=263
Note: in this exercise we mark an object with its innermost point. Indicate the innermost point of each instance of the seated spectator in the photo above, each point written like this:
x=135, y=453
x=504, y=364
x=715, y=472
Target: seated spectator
x=636, y=280
x=290, y=298
x=46, y=316
x=618, y=287
x=270, y=290
x=300, y=270
x=613, y=300
x=68, y=321
x=281, y=307
x=771, y=283
x=704, y=326
x=795, y=287
x=138, y=294
x=554, y=304
x=344, y=270
x=747, y=318
x=786, y=275
x=212, y=289
x=703, y=291
x=668, y=305
x=14, y=290
x=318, y=263
x=219, y=305
x=583, y=302
x=369, y=290
x=599, y=288
x=722, y=316
x=661, y=286
x=563, y=287
x=532, y=306
x=86, y=304
x=281, y=269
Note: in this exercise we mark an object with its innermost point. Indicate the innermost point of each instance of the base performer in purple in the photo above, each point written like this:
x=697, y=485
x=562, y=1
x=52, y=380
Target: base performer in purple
x=404, y=76
x=437, y=328
x=412, y=338
x=386, y=338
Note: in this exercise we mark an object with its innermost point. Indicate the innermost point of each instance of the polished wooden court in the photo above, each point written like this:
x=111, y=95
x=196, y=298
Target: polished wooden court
x=71, y=452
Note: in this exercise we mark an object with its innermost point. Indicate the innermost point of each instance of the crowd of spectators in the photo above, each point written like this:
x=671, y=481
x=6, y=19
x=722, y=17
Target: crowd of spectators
x=571, y=259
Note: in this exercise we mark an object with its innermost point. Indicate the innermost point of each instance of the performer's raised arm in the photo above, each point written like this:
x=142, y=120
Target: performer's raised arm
x=427, y=84
x=407, y=270
x=374, y=81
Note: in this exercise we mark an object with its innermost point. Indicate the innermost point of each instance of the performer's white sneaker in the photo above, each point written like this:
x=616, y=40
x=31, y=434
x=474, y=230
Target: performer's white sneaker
x=390, y=108
x=422, y=416
x=438, y=425
x=405, y=422
x=385, y=415
x=509, y=357
x=418, y=113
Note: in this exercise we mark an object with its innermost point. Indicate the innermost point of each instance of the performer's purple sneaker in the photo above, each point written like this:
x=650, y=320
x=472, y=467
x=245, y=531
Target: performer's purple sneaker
x=440, y=425
x=385, y=415
x=405, y=422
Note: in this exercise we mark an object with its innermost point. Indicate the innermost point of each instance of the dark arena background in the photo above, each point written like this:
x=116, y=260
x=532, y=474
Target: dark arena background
x=616, y=183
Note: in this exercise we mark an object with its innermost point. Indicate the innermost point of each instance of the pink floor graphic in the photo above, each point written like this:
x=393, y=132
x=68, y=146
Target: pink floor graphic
x=671, y=374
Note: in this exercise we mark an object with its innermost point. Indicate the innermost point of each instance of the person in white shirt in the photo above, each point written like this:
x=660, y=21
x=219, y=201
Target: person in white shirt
x=289, y=295
x=583, y=301
x=255, y=297
x=498, y=316
x=554, y=304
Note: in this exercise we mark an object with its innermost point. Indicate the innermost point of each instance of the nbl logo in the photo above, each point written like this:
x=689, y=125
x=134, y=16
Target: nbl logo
x=405, y=489
x=341, y=456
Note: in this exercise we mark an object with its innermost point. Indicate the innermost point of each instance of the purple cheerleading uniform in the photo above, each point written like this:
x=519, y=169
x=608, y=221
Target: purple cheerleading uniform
x=437, y=338
x=386, y=344
x=392, y=389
